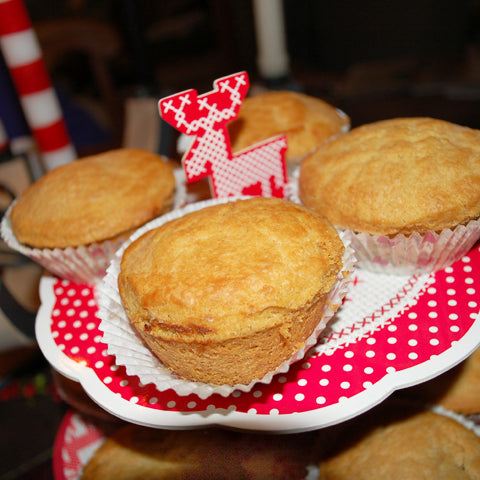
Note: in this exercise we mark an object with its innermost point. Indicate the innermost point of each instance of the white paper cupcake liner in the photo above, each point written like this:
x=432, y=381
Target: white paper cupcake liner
x=85, y=263
x=130, y=351
x=466, y=420
x=415, y=253
x=406, y=255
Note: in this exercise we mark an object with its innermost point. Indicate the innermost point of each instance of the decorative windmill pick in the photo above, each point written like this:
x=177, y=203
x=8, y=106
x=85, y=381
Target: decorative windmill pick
x=259, y=170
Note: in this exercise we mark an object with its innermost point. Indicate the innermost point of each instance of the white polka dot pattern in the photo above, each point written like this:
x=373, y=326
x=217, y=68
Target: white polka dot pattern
x=77, y=439
x=418, y=322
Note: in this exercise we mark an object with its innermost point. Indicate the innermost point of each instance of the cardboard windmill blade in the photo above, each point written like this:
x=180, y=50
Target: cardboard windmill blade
x=259, y=170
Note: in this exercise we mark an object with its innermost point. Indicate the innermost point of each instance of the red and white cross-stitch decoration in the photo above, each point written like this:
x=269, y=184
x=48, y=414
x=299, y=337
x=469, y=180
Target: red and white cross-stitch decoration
x=259, y=170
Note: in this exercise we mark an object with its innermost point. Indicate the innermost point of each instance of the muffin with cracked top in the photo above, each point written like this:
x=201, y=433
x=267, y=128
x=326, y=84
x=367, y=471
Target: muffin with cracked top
x=307, y=122
x=406, y=191
x=226, y=294
x=73, y=219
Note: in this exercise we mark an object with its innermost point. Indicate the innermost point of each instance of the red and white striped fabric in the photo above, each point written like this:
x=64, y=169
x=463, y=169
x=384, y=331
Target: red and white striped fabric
x=23, y=57
x=3, y=138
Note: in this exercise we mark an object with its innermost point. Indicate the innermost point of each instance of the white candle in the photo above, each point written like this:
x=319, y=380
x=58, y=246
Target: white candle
x=272, y=54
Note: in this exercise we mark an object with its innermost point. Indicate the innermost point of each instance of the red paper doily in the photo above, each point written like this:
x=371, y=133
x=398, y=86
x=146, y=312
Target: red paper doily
x=433, y=331
x=75, y=443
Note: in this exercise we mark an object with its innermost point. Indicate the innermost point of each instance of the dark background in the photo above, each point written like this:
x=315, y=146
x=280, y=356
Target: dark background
x=373, y=59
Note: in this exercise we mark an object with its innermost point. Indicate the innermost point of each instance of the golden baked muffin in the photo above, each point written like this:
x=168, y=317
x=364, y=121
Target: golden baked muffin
x=403, y=444
x=404, y=176
x=140, y=453
x=72, y=219
x=307, y=122
x=93, y=199
x=227, y=293
x=457, y=389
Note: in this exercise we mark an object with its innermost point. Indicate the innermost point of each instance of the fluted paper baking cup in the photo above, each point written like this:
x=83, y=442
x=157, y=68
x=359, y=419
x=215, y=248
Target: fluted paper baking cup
x=130, y=351
x=84, y=263
x=405, y=254
x=415, y=253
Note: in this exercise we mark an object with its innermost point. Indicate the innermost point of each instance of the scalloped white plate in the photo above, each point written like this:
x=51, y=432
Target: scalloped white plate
x=391, y=332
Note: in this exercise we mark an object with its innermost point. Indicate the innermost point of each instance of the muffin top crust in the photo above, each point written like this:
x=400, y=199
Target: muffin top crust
x=404, y=443
x=228, y=270
x=395, y=176
x=93, y=199
x=306, y=121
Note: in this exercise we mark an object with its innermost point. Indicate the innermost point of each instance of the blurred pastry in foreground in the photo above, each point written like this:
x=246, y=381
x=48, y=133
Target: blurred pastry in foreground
x=406, y=191
x=141, y=453
x=228, y=293
x=307, y=122
x=394, y=441
x=457, y=389
x=74, y=218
